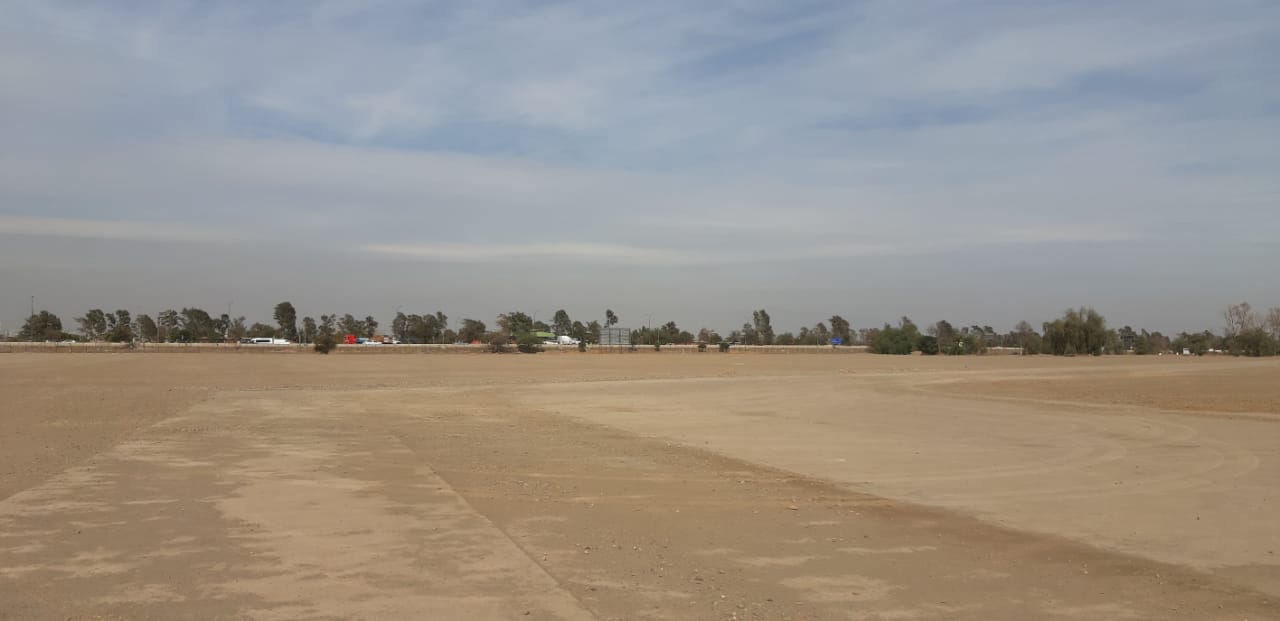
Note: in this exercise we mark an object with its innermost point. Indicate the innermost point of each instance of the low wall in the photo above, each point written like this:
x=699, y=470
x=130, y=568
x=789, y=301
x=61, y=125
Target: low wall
x=360, y=350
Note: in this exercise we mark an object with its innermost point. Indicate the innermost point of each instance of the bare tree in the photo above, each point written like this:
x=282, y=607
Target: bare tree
x=1273, y=322
x=1240, y=318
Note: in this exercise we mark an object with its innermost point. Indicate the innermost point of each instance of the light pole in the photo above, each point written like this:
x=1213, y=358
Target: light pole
x=651, y=335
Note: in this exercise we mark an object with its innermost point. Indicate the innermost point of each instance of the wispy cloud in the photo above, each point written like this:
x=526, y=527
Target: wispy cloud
x=117, y=229
x=608, y=253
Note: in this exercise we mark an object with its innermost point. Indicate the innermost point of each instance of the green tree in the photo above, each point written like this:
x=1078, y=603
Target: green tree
x=610, y=319
x=326, y=334
x=667, y=333
x=1197, y=344
x=840, y=330
x=891, y=340
x=93, y=325
x=287, y=318
x=119, y=327
x=1082, y=331
x=929, y=345
x=196, y=325
x=909, y=331
x=472, y=330
x=308, y=330
x=261, y=331
x=1027, y=338
x=167, y=321
x=561, y=324
x=820, y=334
x=1142, y=344
x=400, y=327
x=945, y=333
x=426, y=328
x=370, y=327
x=350, y=325
x=515, y=323
x=593, y=331
x=147, y=328
x=1253, y=342
x=42, y=326
x=763, y=326
x=1128, y=338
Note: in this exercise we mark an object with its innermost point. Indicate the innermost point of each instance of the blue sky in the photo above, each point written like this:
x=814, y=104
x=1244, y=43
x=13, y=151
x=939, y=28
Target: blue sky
x=982, y=162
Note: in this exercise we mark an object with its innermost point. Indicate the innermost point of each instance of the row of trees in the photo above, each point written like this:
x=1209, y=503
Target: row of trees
x=1084, y=331
x=1081, y=331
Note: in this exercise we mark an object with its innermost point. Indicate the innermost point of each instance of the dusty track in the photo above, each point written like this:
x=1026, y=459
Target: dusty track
x=717, y=487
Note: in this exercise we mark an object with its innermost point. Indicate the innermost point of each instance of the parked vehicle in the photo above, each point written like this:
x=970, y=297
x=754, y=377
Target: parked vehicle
x=561, y=340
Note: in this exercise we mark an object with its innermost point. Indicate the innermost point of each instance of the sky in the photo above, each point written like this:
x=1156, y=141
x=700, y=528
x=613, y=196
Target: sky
x=976, y=161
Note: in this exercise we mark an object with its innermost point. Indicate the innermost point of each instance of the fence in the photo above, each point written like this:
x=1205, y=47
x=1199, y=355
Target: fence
x=228, y=348
x=348, y=350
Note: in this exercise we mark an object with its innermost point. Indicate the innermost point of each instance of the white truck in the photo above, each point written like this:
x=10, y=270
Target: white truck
x=562, y=340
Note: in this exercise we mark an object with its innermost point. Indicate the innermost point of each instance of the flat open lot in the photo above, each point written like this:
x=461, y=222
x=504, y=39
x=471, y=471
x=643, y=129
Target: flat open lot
x=638, y=486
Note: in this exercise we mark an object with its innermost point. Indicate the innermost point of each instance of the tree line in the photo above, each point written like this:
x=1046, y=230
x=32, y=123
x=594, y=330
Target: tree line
x=1079, y=331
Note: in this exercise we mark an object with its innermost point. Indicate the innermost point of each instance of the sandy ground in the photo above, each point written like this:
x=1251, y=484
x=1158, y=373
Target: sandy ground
x=649, y=486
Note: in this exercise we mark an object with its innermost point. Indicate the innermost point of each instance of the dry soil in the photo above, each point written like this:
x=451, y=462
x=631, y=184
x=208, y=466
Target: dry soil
x=638, y=486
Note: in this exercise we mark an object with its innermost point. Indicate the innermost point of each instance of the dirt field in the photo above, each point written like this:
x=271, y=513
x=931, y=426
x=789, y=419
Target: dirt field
x=647, y=486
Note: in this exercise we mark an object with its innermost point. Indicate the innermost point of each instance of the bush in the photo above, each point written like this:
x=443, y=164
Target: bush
x=499, y=344
x=529, y=344
x=702, y=347
x=892, y=340
x=582, y=346
x=325, y=344
x=929, y=345
x=657, y=347
x=724, y=347
x=1255, y=343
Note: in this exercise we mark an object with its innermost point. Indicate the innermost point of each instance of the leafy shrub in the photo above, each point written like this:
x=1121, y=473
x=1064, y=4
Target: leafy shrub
x=892, y=340
x=1255, y=343
x=582, y=346
x=724, y=347
x=929, y=345
x=325, y=343
x=529, y=344
x=702, y=347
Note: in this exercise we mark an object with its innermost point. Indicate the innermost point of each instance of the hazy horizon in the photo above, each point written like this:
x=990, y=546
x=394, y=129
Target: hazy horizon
x=979, y=162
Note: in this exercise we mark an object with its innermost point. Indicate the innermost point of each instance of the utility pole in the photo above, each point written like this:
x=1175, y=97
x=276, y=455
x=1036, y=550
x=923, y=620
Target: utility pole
x=33, y=306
